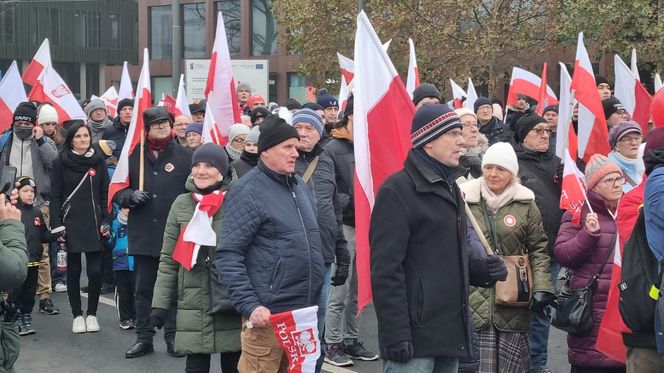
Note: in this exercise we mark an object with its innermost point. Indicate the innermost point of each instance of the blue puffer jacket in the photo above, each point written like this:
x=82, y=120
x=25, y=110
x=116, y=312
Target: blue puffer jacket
x=270, y=253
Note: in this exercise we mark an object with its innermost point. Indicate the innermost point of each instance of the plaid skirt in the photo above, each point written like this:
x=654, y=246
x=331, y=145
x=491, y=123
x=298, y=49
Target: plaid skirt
x=503, y=352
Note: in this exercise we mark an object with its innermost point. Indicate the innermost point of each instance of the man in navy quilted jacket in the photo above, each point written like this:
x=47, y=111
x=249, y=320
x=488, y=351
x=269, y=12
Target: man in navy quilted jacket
x=270, y=253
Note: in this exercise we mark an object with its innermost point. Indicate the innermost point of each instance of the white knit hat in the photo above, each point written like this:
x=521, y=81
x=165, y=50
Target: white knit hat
x=501, y=154
x=465, y=111
x=47, y=114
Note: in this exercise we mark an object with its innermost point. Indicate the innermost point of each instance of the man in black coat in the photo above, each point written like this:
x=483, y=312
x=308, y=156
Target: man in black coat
x=538, y=168
x=117, y=132
x=420, y=267
x=166, y=167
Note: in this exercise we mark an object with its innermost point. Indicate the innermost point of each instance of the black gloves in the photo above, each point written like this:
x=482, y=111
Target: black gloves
x=138, y=197
x=540, y=300
x=158, y=317
x=496, y=267
x=399, y=352
x=340, y=275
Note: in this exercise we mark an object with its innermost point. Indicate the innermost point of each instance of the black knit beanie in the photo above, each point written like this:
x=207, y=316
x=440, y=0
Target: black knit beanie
x=125, y=102
x=527, y=123
x=274, y=131
x=425, y=90
x=26, y=111
x=481, y=101
x=213, y=154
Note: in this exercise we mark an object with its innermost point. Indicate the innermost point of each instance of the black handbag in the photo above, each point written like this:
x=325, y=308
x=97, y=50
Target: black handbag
x=220, y=299
x=573, y=311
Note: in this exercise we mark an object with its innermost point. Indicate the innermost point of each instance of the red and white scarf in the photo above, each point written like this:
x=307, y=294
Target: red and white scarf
x=198, y=232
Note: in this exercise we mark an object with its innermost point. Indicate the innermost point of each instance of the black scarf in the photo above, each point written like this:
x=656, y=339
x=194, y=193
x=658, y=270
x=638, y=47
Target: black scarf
x=250, y=158
x=81, y=162
x=447, y=173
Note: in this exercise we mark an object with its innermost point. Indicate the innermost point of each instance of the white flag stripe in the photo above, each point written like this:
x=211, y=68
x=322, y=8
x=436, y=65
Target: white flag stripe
x=565, y=110
x=11, y=88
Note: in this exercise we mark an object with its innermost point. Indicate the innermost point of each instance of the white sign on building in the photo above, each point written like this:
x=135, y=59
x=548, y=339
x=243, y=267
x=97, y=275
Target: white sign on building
x=253, y=72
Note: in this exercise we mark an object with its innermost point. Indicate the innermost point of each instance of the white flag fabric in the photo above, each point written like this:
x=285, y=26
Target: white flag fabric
x=413, y=79
x=565, y=109
x=110, y=98
x=12, y=93
x=40, y=61
x=126, y=90
x=297, y=333
x=471, y=96
x=51, y=88
x=182, y=102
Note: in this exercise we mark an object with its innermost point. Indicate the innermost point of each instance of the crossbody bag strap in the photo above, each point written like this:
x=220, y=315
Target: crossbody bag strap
x=595, y=278
x=310, y=170
x=85, y=175
x=478, y=230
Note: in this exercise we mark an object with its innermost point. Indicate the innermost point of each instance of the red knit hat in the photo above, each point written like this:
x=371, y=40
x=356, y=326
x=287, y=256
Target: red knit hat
x=598, y=167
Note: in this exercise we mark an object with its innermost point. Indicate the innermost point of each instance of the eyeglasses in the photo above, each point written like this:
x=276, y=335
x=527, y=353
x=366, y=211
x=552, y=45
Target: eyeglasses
x=612, y=181
x=469, y=124
x=160, y=124
x=454, y=134
x=629, y=139
x=238, y=140
x=541, y=131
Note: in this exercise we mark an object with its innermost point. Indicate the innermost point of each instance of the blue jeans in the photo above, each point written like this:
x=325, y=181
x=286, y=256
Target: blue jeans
x=322, y=306
x=539, y=329
x=422, y=365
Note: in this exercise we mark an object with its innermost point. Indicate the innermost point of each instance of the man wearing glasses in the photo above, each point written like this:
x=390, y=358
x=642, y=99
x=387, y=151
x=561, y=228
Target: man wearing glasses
x=166, y=167
x=538, y=167
x=614, y=111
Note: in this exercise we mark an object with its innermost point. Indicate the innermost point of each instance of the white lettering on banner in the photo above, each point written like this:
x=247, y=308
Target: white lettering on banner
x=291, y=349
x=60, y=91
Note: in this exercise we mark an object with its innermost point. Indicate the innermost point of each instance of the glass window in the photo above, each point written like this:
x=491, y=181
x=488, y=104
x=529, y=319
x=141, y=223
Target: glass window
x=114, y=30
x=231, y=12
x=95, y=30
x=193, y=22
x=161, y=86
x=272, y=87
x=80, y=28
x=54, y=27
x=92, y=79
x=264, y=29
x=7, y=25
x=161, y=36
x=297, y=87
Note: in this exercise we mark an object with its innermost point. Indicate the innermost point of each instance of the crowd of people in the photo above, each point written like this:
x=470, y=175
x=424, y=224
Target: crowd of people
x=266, y=224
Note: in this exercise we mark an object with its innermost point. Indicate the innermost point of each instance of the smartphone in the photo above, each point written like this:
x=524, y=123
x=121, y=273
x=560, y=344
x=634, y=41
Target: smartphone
x=7, y=180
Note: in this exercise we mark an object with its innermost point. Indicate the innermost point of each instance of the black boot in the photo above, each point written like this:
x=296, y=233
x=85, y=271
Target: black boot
x=139, y=349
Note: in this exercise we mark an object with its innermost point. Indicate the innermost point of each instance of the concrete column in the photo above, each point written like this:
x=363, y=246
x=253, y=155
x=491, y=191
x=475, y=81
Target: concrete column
x=84, y=82
x=102, y=78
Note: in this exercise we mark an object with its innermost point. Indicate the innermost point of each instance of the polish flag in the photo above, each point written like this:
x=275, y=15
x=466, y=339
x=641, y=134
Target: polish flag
x=457, y=92
x=542, y=96
x=12, y=93
x=110, y=98
x=565, y=137
x=52, y=89
x=347, y=67
x=136, y=130
x=210, y=130
x=126, y=91
x=631, y=92
x=168, y=102
x=658, y=83
x=182, y=102
x=593, y=133
x=220, y=89
x=529, y=84
x=297, y=333
x=381, y=129
x=40, y=61
x=413, y=80
x=471, y=97
x=573, y=194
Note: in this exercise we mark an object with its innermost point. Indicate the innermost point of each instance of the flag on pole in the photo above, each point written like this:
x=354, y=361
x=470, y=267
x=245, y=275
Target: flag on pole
x=40, y=61
x=297, y=333
x=458, y=94
x=413, y=79
x=592, y=131
x=565, y=135
x=631, y=93
x=52, y=89
x=110, y=98
x=529, y=84
x=573, y=193
x=182, y=102
x=220, y=89
x=347, y=73
x=126, y=91
x=143, y=101
x=383, y=112
x=210, y=130
x=471, y=97
x=543, y=96
x=12, y=93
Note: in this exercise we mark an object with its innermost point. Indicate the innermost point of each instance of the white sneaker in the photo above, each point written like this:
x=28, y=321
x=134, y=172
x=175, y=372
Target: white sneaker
x=91, y=324
x=79, y=325
x=60, y=287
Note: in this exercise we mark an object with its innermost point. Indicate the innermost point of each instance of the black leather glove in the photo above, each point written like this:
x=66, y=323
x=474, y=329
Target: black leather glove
x=158, y=317
x=138, y=197
x=540, y=300
x=399, y=352
x=496, y=267
x=340, y=275
x=558, y=177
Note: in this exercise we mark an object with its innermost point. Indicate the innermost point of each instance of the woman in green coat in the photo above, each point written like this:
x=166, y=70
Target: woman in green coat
x=183, y=271
x=507, y=214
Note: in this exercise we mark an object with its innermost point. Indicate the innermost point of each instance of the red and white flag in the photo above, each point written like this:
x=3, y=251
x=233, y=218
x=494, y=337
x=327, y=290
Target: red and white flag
x=543, y=95
x=527, y=83
x=126, y=90
x=220, y=89
x=573, y=194
x=210, y=130
x=383, y=112
x=52, y=89
x=566, y=137
x=458, y=95
x=40, y=61
x=631, y=93
x=297, y=333
x=593, y=133
x=347, y=67
x=110, y=98
x=182, y=102
x=136, y=130
x=12, y=93
x=471, y=96
x=413, y=79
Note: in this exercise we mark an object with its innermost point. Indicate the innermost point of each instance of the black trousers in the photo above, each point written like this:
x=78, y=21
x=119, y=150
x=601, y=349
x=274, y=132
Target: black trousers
x=200, y=363
x=108, y=276
x=23, y=296
x=125, y=295
x=93, y=270
x=145, y=276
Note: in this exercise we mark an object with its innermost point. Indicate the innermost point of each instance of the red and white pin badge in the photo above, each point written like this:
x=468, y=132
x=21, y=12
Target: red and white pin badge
x=92, y=172
x=509, y=220
x=169, y=167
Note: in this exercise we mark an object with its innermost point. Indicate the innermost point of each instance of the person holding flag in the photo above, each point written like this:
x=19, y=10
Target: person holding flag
x=163, y=170
x=586, y=248
x=184, y=261
x=117, y=131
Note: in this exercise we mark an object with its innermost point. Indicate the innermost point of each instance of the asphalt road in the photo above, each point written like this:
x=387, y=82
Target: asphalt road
x=55, y=349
